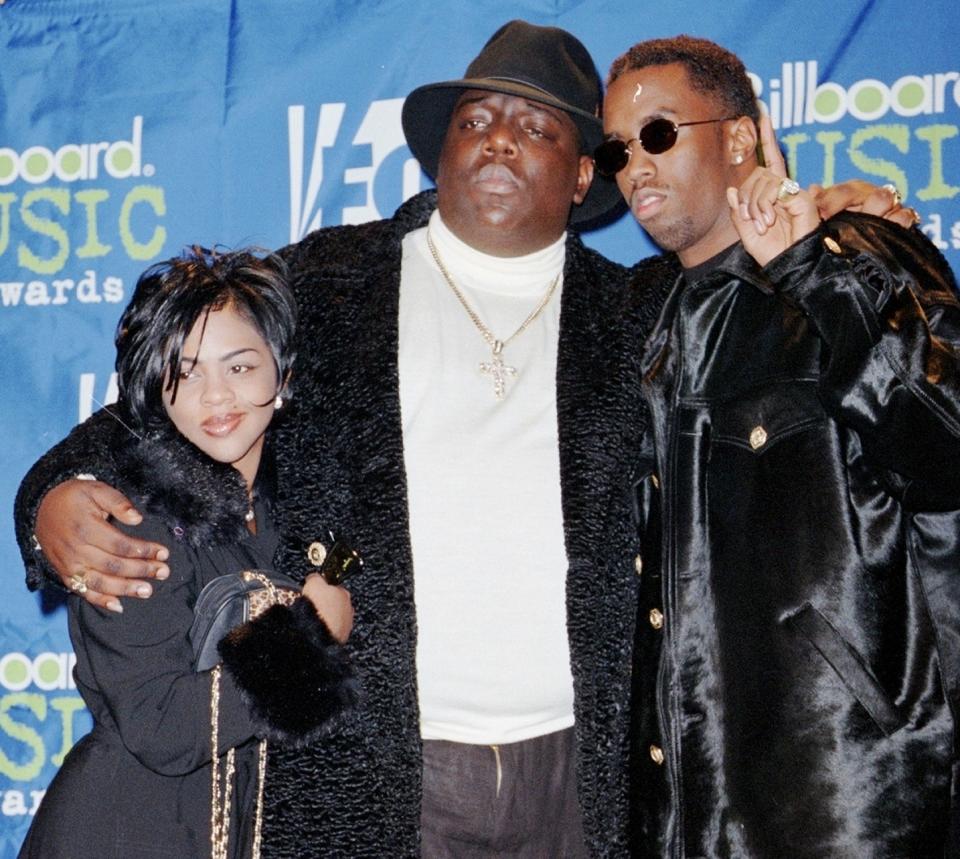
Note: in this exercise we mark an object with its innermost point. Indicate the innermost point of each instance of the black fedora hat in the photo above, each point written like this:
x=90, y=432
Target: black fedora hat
x=543, y=64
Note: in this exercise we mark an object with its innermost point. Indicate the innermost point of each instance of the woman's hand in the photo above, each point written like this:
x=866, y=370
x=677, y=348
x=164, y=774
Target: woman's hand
x=333, y=605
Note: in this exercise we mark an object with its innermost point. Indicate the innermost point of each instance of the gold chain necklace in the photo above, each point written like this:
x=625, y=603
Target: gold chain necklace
x=495, y=367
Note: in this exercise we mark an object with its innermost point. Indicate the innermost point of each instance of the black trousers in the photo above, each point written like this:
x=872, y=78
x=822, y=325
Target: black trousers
x=514, y=800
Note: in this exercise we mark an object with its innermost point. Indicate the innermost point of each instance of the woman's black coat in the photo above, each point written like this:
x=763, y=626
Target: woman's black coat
x=139, y=785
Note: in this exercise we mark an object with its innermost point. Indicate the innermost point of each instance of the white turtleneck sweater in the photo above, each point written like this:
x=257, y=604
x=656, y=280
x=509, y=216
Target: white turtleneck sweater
x=483, y=479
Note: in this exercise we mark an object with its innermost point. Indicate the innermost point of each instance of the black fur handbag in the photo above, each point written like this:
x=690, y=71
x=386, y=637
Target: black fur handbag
x=223, y=604
x=230, y=600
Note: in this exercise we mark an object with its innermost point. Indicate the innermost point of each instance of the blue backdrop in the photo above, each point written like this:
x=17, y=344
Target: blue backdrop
x=129, y=128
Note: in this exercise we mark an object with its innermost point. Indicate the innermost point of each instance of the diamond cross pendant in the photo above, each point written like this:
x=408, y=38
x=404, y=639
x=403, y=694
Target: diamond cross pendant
x=498, y=370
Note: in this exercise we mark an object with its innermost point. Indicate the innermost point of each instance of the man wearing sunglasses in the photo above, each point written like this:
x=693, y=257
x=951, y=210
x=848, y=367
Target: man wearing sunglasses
x=797, y=665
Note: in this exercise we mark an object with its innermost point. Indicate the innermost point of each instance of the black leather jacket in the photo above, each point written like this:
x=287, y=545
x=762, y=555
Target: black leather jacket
x=798, y=658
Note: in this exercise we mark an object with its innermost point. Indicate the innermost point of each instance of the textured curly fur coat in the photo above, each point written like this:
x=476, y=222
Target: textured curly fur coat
x=342, y=469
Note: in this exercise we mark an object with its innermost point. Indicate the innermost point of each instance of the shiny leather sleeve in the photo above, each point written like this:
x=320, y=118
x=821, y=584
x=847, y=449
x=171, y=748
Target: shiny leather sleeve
x=88, y=449
x=884, y=302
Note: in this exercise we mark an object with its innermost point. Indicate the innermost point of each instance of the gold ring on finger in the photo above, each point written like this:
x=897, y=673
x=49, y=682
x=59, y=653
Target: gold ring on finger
x=77, y=584
x=788, y=188
x=891, y=189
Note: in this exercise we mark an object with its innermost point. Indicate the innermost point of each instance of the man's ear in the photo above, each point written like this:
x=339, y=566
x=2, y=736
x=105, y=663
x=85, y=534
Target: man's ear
x=584, y=178
x=741, y=142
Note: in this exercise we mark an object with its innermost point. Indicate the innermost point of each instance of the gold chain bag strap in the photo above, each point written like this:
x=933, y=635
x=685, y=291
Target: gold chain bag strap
x=258, y=600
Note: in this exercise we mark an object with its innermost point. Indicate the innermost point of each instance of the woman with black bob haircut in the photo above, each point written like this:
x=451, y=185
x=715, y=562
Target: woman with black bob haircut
x=204, y=352
x=169, y=299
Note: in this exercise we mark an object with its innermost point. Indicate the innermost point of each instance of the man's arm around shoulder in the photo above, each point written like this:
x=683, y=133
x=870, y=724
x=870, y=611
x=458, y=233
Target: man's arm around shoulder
x=62, y=522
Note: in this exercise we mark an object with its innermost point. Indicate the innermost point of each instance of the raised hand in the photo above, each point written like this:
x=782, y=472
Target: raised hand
x=769, y=211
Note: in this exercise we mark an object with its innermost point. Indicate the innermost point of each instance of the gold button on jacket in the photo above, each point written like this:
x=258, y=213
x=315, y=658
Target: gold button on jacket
x=316, y=553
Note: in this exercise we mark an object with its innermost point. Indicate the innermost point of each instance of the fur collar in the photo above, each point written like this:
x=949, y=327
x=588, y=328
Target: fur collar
x=203, y=501
x=415, y=212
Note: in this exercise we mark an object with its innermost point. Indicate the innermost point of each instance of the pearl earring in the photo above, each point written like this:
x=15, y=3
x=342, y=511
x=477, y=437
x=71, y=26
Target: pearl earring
x=738, y=159
x=278, y=402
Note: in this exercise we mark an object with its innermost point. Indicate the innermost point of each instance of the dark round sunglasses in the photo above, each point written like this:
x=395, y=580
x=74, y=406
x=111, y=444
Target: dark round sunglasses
x=657, y=136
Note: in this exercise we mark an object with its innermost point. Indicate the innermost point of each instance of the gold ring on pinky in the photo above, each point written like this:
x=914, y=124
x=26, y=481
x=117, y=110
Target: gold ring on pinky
x=77, y=584
x=914, y=215
x=788, y=188
x=892, y=190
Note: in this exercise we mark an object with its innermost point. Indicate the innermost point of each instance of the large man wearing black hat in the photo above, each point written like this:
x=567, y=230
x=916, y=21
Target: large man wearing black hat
x=462, y=411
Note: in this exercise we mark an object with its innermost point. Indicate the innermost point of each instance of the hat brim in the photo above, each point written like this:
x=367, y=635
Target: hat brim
x=426, y=116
